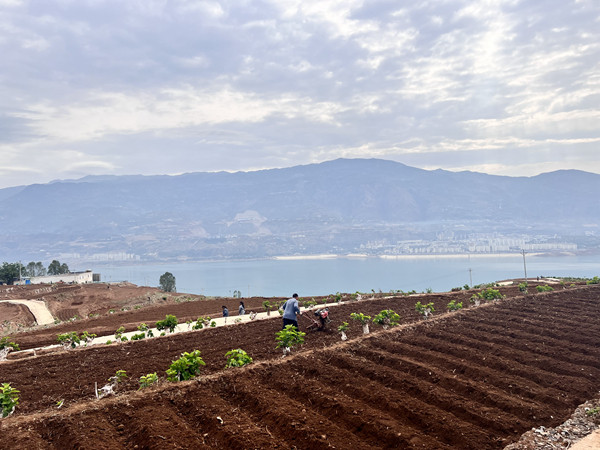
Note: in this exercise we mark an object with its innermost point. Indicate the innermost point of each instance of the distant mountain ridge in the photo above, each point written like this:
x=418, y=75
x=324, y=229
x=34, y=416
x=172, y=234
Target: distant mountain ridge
x=345, y=191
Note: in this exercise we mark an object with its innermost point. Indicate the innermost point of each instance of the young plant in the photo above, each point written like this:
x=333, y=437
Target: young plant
x=454, y=306
x=342, y=329
x=237, y=320
x=113, y=381
x=544, y=288
x=237, y=358
x=87, y=337
x=288, y=338
x=169, y=323
x=424, y=310
x=363, y=319
x=429, y=290
x=119, y=333
x=138, y=336
x=267, y=305
x=386, y=318
x=201, y=322
x=595, y=280
x=310, y=304
x=213, y=324
x=9, y=399
x=523, y=288
x=475, y=299
x=6, y=347
x=491, y=294
x=186, y=367
x=68, y=340
x=466, y=287
x=338, y=297
x=147, y=380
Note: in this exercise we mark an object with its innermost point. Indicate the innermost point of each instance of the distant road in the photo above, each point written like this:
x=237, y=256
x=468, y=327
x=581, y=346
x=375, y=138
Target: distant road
x=38, y=309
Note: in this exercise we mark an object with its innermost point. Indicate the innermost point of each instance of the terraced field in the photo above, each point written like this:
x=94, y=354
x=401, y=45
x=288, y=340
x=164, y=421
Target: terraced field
x=475, y=379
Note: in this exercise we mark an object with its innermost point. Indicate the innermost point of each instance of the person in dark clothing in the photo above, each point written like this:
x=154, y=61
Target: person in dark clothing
x=290, y=311
x=225, y=311
x=242, y=309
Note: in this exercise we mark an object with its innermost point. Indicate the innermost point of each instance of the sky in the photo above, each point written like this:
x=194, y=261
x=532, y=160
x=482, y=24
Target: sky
x=91, y=87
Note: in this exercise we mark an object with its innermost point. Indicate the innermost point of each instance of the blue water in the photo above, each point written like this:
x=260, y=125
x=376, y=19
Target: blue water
x=320, y=277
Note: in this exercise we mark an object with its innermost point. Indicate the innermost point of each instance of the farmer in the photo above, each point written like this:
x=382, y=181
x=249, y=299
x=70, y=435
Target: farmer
x=225, y=311
x=290, y=309
x=242, y=310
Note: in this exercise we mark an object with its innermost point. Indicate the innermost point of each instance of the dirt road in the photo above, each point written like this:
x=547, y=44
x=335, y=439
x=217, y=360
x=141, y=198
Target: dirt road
x=38, y=309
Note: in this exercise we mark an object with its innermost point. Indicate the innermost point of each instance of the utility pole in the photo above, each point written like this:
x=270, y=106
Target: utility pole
x=471, y=276
x=20, y=272
x=525, y=266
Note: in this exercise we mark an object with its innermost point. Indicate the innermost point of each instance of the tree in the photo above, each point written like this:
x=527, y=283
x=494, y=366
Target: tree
x=35, y=269
x=56, y=268
x=167, y=282
x=8, y=272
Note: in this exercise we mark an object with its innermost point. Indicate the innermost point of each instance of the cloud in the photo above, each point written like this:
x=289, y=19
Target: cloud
x=229, y=85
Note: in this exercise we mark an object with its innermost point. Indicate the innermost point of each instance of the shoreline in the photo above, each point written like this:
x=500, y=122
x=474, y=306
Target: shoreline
x=328, y=256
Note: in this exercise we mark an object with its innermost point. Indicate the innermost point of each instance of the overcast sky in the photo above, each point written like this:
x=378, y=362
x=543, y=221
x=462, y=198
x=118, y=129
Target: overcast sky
x=153, y=86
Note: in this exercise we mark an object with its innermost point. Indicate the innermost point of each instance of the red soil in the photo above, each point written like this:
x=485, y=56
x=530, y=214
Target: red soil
x=475, y=379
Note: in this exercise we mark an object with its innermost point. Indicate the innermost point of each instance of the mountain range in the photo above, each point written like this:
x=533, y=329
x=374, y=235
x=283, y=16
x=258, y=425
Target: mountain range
x=196, y=214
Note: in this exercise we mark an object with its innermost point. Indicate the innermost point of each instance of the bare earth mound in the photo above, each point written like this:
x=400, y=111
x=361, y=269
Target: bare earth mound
x=475, y=379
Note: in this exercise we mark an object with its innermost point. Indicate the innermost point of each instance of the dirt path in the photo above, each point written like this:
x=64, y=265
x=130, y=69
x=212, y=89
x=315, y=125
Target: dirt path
x=38, y=309
x=592, y=442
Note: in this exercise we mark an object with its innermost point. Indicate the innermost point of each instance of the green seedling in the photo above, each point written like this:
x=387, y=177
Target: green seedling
x=288, y=338
x=147, y=380
x=186, y=367
x=386, y=318
x=9, y=399
x=237, y=358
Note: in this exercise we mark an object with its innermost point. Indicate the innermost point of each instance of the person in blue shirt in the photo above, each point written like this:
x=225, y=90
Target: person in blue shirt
x=290, y=310
x=225, y=311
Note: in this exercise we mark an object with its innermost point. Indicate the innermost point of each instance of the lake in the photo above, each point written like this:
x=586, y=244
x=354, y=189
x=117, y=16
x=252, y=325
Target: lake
x=310, y=277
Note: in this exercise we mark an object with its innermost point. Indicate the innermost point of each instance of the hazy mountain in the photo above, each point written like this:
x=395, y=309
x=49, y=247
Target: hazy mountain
x=316, y=198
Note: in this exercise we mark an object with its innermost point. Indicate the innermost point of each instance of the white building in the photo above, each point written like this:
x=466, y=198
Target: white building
x=74, y=277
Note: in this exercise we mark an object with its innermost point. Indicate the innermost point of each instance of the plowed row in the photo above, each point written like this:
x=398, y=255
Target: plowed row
x=476, y=379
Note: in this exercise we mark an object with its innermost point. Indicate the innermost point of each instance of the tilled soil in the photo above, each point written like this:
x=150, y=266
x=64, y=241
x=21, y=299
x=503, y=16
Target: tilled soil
x=475, y=379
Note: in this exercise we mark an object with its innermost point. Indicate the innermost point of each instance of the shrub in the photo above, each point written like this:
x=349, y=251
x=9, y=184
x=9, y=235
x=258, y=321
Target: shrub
x=424, y=310
x=429, y=290
x=523, y=288
x=143, y=327
x=111, y=311
x=466, y=287
x=147, y=380
x=169, y=323
x=108, y=342
x=237, y=320
x=9, y=399
x=456, y=289
x=124, y=339
x=138, y=336
x=338, y=297
x=454, y=306
x=237, y=358
x=343, y=327
x=213, y=324
x=386, y=318
x=289, y=337
x=186, y=367
x=267, y=305
x=544, y=288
